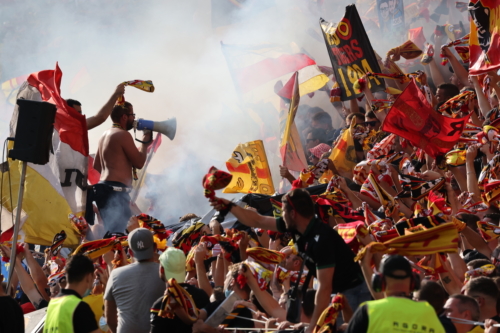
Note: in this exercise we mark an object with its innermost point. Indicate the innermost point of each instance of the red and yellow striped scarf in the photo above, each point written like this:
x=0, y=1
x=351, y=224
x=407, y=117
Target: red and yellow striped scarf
x=328, y=318
x=442, y=238
x=139, y=84
x=180, y=296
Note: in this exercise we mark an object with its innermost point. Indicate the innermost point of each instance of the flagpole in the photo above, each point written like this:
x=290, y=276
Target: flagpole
x=16, y=226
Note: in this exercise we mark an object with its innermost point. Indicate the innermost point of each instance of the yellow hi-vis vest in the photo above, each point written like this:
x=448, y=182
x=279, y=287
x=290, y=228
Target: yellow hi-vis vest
x=402, y=315
x=60, y=314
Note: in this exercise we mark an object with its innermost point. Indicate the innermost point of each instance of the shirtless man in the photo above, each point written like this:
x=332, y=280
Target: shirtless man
x=103, y=114
x=116, y=156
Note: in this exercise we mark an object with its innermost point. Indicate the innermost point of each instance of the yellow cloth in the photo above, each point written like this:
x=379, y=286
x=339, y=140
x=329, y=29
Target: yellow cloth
x=139, y=84
x=343, y=153
x=442, y=238
x=96, y=303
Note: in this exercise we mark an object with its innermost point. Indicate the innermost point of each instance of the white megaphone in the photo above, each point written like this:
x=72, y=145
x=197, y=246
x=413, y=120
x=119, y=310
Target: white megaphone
x=167, y=127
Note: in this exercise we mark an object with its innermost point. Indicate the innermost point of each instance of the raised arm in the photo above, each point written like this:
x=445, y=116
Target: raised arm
x=270, y=305
x=105, y=111
x=484, y=105
x=248, y=217
x=323, y=294
x=459, y=70
x=472, y=184
x=201, y=272
x=36, y=273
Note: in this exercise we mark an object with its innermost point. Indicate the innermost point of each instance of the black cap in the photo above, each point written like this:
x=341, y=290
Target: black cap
x=393, y=263
x=470, y=255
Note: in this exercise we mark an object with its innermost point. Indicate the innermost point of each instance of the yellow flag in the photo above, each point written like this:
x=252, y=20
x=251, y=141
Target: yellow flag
x=250, y=170
x=292, y=153
x=343, y=153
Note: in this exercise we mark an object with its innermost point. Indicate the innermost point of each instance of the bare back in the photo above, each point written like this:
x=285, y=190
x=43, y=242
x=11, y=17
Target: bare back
x=112, y=157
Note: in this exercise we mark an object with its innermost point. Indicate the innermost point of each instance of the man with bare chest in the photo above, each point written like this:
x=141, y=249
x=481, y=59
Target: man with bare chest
x=115, y=159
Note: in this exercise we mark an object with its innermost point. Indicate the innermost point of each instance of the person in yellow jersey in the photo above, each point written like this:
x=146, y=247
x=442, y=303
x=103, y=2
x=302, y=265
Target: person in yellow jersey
x=67, y=313
x=397, y=312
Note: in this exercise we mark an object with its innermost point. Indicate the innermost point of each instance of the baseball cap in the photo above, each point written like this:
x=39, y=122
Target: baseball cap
x=320, y=149
x=173, y=262
x=141, y=242
x=393, y=263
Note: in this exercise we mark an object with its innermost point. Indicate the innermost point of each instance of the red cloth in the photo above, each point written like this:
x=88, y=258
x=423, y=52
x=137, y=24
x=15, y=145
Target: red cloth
x=412, y=117
x=484, y=47
x=416, y=35
x=27, y=307
x=70, y=124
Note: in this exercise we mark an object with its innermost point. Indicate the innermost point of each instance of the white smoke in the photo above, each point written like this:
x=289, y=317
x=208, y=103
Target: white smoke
x=173, y=44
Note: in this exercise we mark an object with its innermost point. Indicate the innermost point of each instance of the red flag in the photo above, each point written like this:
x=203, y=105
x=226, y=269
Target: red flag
x=70, y=124
x=485, y=36
x=412, y=117
x=416, y=35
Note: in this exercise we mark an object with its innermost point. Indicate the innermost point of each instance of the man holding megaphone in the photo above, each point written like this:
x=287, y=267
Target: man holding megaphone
x=116, y=159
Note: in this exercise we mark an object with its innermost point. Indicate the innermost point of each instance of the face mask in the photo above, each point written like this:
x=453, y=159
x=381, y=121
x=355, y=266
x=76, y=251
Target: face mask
x=87, y=292
x=103, y=325
x=227, y=293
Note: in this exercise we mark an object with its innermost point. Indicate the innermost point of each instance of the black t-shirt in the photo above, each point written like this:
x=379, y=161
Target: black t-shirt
x=11, y=318
x=211, y=307
x=448, y=325
x=161, y=325
x=359, y=321
x=83, y=317
x=324, y=246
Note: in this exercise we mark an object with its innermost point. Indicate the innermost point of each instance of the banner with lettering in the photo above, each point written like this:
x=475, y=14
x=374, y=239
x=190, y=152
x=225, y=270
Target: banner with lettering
x=391, y=16
x=351, y=53
x=484, y=40
x=413, y=118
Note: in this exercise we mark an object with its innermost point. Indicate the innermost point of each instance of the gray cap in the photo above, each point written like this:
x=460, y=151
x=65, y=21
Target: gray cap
x=141, y=242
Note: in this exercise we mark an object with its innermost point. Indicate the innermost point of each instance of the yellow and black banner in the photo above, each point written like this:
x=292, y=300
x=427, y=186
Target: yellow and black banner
x=351, y=53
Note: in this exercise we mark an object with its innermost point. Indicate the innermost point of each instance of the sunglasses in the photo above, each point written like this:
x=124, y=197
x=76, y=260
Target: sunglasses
x=131, y=114
x=309, y=140
x=371, y=123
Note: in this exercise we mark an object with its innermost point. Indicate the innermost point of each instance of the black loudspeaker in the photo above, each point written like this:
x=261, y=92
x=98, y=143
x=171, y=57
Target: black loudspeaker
x=35, y=125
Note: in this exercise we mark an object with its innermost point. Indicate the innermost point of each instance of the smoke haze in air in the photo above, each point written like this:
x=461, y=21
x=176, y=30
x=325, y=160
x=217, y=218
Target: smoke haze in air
x=99, y=44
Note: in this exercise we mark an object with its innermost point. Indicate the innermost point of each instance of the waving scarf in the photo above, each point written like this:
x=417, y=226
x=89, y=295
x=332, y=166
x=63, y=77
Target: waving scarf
x=57, y=243
x=187, y=237
x=139, y=84
x=160, y=234
x=178, y=294
x=442, y=238
x=485, y=270
x=265, y=256
x=78, y=223
x=417, y=188
x=488, y=231
x=95, y=249
x=372, y=188
x=328, y=318
x=261, y=274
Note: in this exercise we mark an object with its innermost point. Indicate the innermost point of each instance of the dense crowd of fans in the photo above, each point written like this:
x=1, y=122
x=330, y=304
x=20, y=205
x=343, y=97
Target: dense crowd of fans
x=404, y=241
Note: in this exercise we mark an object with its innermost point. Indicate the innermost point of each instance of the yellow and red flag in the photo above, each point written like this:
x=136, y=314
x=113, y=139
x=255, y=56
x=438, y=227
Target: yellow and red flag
x=343, y=153
x=250, y=170
x=292, y=153
x=484, y=41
